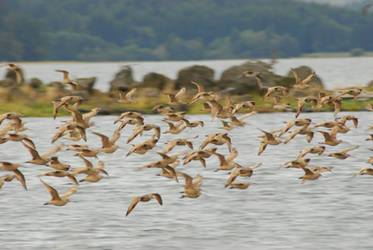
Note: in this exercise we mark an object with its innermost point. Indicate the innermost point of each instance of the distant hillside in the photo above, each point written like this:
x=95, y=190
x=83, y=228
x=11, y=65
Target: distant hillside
x=335, y=2
x=176, y=29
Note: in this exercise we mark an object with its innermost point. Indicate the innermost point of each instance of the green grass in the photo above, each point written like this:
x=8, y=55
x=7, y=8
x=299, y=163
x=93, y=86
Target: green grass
x=145, y=105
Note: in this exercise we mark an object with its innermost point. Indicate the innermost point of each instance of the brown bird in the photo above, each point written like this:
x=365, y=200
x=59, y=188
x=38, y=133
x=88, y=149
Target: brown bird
x=330, y=124
x=248, y=105
x=299, y=83
x=192, y=187
x=108, y=145
x=6, y=178
x=66, y=80
x=303, y=100
x=298, y=122
x=59, y=200
x=89, y=169
x=7, y=166
x=268, y=138
x=56, y=164
x=310, y=174
x=77, y=117
x=179, y=142
x=240, y=185
x=143, y=147
x=298, y=163
x=87, y=116
x=217, y=139
x=227, y=163
x=193, y=124
x=15, y=123
x=330, y=138
x=127, y=98
x=20, y=137
x=76, y=147
x=60, y=173
x=144, y=198
x=202, y=94
x=146, y=127
x=160, y=108
x=257, y=77
x=44, y=158
x=313, y=150
x=342, y=120
x=239, y=122
x=178, y=116
x=173, y=129
x=88, y=152
x=138, y=121
x=276, y=90
x=305, y=130
x=65, y=128
x=176, y=99
x=199, y=155
x=343, y=153
x=321, y=169
x=65, y=101
x=352, y=91
x=227, y=126
x=241, y=171
x=364, y=171
x=337, y=105
x=16, y=68
x=129, y=114
x=217, y=110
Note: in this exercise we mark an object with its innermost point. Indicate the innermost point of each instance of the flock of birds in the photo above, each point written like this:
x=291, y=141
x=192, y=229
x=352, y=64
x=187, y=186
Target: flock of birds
x=229, y=114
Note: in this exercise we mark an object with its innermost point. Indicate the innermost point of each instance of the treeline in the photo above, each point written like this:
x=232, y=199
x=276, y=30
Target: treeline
x=95, y=30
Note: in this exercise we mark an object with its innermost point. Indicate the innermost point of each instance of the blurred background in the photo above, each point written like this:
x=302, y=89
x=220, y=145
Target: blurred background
x=123, y=30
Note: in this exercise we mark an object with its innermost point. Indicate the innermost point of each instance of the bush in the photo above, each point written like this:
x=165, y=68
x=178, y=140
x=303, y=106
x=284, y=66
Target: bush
x=356, y=52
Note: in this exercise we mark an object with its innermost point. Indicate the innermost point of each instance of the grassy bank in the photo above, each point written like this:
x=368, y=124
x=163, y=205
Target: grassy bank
x=145, y=105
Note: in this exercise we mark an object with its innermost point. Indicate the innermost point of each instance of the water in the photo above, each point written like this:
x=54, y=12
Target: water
x=276, y=212
x=335, y=72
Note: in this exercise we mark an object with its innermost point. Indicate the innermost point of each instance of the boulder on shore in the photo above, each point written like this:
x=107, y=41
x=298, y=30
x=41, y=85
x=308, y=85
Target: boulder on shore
x=198, y=73
x=234, y=79
x=155, y=80
x=86, y=84
x=123, y=80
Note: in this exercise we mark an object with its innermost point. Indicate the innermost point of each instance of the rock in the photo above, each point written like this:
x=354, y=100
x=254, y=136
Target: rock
x=123, y=80
x=35, y=83
x=201, y=74
x=233, y=77
x=155, y=80
x=7, y=82
x=303, y=72
x=86, y=84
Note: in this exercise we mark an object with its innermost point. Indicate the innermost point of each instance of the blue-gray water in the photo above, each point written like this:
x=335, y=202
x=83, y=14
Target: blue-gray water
x=276, y=212
x=335, y=72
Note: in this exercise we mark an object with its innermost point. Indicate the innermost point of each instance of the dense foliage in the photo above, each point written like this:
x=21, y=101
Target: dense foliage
x=176, y=29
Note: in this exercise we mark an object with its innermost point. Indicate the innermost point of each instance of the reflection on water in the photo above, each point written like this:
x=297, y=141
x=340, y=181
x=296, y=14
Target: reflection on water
x=277, y=212
x=335, y=72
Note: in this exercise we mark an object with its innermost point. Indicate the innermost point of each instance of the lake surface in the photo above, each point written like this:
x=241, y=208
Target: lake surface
x=335, y=72
x=276, y=212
